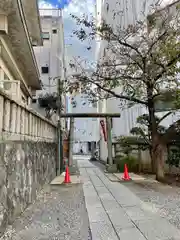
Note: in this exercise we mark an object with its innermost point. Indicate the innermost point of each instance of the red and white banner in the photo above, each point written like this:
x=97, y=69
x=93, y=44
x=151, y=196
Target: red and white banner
x=103, y=129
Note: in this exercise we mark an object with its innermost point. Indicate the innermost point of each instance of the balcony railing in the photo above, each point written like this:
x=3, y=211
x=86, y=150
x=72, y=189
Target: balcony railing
x=12, y=88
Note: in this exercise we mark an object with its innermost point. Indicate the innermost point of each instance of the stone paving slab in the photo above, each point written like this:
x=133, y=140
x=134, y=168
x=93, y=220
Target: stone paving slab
x=130, y=234
x=103, y=231
x=136, y=213
x=109, y=205
x=97, y=214
x=119, y=218
x=102, y=190
x=120, y=214
x=106, y=196
x=127, y=201
x=111, y=177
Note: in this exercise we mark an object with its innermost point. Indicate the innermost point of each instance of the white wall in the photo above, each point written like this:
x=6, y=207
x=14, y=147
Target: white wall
x=86, y=129
x=51, y=53
x=77, y=146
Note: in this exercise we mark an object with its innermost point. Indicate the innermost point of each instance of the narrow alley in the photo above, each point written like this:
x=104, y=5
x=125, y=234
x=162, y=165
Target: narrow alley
x=58, y=214
x=113, y=212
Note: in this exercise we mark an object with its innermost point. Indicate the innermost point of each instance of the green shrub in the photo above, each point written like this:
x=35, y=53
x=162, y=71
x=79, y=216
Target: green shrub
x=131, y=162
x=174, y=157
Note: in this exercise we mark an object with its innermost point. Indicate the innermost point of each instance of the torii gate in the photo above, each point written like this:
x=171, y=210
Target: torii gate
x=108, y=117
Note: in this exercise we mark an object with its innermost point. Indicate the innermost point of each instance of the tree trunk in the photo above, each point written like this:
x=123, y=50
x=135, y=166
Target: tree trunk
x=140, y=160
x=153, y=161
x=158, y=147
x=159, y=154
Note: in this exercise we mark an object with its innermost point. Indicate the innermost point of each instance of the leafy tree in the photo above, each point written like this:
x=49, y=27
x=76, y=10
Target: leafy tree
x=50, y=103
x=139, y=61
x=174, y=157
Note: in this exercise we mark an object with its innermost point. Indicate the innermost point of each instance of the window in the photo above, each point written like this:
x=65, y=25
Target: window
x=33, y=93
x=104, y=52
x=89, y=146
x=45, y=70
x=107, y=7
x=34, y=100
x=94, y=104
x=111, y=123
x=45, y=36
x=7, y=86
x=54, y=31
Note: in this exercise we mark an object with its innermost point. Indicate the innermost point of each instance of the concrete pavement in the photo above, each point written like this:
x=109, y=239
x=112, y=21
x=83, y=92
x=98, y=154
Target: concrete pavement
x=117, y=213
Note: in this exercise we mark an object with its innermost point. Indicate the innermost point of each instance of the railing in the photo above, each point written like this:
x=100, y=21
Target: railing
x=12, y=88
x=18, y=122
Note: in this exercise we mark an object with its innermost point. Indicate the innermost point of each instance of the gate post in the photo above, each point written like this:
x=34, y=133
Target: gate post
x=109, y=140
x=71, y=137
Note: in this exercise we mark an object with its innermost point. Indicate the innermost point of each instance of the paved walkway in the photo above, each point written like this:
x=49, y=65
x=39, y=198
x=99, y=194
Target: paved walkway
x=117, y=213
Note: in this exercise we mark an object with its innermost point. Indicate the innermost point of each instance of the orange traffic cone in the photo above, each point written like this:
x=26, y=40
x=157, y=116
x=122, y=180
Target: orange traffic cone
x=67, y=176
x=126, y=174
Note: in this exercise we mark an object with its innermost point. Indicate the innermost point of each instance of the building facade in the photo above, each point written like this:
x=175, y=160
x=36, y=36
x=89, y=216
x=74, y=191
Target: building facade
x=20, y=30
x=50, y=57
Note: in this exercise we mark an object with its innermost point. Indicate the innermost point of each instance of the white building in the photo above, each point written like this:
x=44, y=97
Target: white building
x=86, y=130
x=50, y=56
x=123, y=13
x=19, y=74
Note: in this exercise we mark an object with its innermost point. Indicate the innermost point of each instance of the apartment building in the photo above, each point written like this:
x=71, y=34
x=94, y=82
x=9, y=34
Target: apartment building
x=20, y=30
x=121, y=14
x=50, y=57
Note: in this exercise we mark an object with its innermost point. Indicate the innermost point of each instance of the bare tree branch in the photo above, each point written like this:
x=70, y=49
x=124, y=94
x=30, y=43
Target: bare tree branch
x=117, y=95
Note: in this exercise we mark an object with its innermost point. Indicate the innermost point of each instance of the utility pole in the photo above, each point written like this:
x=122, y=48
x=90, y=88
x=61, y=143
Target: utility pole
x=71, y=137
x=109, y=140
x=60, y=92
x=60, y=144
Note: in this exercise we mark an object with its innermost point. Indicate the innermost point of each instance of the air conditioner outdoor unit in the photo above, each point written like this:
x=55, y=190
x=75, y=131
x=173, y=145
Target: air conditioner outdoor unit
x=12, y=88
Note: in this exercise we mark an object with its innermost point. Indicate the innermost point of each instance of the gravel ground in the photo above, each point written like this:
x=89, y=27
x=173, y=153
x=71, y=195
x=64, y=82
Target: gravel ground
x=163, y=198
x=58, y=214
